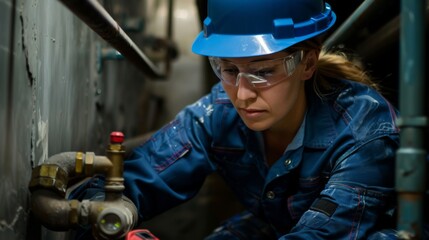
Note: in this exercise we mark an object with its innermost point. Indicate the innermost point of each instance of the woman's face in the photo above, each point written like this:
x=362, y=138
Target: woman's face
x=276, y=107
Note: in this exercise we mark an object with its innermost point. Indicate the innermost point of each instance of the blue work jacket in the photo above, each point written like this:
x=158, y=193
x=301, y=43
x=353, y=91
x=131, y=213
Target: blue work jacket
x=337, y=182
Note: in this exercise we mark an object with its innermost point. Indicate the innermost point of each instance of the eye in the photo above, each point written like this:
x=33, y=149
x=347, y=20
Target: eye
x=266, y=72
x=229, y=70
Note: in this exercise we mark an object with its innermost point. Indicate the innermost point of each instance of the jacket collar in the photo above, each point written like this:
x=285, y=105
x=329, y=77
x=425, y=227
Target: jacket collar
x=320, y=131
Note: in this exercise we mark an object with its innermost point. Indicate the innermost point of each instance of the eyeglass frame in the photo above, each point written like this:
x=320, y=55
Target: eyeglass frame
x=289, y=65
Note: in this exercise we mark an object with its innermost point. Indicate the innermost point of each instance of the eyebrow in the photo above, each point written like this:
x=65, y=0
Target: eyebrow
x=254, y=61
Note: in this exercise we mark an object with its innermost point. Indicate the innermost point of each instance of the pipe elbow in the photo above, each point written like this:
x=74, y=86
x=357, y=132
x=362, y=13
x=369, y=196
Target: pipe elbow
x=65, y=160
x=55, y=173
x=54, y=212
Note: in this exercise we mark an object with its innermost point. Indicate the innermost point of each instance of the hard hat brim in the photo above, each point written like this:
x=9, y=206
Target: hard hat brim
x=234, y=46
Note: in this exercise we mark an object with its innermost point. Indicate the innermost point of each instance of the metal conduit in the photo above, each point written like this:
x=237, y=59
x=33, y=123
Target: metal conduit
x=98, y=19
x=410, y=164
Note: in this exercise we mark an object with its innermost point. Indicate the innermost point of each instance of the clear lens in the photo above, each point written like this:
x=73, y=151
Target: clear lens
x=259, y=73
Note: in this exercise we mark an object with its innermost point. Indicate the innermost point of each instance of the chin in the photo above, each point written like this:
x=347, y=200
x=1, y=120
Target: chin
x=257, y=127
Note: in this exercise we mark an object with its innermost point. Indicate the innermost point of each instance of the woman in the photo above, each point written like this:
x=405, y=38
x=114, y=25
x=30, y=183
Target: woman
x=301, y=136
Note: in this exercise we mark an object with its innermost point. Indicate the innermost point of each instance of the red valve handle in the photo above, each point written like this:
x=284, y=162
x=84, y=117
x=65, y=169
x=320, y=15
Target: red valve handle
x=116, y=137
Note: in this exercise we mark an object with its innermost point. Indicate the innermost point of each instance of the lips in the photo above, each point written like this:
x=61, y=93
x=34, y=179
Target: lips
x=251, y=110
x=251, y=113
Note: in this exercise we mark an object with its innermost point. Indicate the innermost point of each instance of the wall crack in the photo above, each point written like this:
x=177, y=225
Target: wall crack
x=25, y=50
x=32, y=81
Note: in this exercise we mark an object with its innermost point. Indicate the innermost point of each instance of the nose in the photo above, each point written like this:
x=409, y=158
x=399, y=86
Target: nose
x=245, y=90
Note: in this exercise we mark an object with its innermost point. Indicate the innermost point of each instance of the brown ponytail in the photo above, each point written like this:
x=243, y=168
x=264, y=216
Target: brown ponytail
x=334, y=65
x=338, y=65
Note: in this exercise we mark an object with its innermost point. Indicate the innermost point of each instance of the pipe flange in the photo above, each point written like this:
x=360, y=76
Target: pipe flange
x=74, y=212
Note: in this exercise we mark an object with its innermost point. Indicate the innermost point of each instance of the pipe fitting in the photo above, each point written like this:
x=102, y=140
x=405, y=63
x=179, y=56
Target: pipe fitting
x=49, y=176
x=97, y=164
x=79, y=163
x=110, y=219
x=56, y=173
x=113, y=219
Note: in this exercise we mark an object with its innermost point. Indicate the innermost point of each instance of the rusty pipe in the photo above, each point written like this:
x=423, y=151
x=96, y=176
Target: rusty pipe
x=52, y=210
x=56, y=173
x=77, y=164
x=59, y=214
x=65, y=161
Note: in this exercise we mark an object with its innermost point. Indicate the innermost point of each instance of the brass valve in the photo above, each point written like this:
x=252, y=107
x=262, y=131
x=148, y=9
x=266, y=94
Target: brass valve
x=110, y=219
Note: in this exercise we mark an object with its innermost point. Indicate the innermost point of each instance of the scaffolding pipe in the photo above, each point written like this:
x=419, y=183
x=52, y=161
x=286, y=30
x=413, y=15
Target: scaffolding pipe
x=99, y=20
x=384, y=38
x=359, y=18
x=410, y=164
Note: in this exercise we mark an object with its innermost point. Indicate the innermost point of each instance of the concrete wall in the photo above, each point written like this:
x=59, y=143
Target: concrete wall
x=53, y=98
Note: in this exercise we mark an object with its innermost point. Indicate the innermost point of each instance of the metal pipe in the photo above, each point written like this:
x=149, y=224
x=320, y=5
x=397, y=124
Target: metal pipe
x=359, y=18
x=169, y=33
x=52, y=210
x=65, y=161
x=98, y=19
x=410, y=164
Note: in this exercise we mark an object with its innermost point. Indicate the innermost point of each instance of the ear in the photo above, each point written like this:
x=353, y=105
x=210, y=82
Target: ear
x=310, y=63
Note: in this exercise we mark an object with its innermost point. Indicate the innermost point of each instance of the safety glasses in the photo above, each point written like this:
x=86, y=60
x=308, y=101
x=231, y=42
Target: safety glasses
x=260, y=74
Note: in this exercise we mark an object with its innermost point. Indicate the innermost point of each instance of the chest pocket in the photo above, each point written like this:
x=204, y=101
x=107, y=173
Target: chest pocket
x=172, y=142
x=239, y=169
x=231, y=162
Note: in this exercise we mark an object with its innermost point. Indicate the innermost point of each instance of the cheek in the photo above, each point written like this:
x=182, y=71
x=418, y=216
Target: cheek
x=279, y=102
x=231, y=91
x=282, y=100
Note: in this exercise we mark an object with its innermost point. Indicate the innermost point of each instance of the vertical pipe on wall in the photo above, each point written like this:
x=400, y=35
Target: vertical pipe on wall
x=410, y=164
x=169, y=33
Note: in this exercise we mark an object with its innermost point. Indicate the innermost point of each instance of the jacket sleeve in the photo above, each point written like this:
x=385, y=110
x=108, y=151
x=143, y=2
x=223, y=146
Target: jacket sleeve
x=171, y=166
x=359, y=193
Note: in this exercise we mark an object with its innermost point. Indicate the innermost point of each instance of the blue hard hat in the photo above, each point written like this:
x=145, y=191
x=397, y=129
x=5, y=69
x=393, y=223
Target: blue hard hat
x=248, y=28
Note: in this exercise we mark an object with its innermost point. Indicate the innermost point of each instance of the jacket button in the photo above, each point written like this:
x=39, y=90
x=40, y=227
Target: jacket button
x=288, y=162
x=270, y=195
